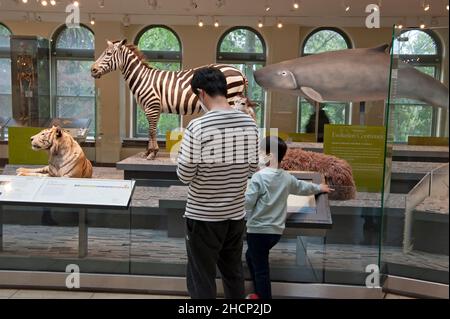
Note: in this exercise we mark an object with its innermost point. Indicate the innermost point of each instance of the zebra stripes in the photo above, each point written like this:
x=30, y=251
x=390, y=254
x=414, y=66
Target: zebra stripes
x=158, y=91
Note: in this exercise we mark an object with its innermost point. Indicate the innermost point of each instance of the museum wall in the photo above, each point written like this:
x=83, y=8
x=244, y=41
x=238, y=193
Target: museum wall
x=199, y=48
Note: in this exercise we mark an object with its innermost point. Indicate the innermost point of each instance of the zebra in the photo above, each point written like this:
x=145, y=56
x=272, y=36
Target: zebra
x=158, y=91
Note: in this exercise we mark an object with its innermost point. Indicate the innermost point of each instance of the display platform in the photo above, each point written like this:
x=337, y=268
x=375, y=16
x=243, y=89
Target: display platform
x=401, y=152
x=139, y=168
x=405, y=174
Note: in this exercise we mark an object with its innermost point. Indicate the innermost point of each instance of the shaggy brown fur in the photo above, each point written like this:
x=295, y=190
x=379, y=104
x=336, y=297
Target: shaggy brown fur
x=66, y=158
x=337, y=172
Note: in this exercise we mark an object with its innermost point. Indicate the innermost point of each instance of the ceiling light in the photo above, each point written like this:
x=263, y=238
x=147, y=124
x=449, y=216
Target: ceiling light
x=426, y=7
x=194, y=4
x=423, y=25
x=53, y=2
x=101, y=4
x=267, y=6
x=24, y=1
x=216, y=23
x=44, y=3
x=446, y=7
x=279, y=24
x=200, y=23
x=91, y=19
x=296, y=5
x=260, y=23
x=76, y=3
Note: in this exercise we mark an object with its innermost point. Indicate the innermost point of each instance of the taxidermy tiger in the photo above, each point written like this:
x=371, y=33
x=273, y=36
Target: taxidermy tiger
x=66, y=157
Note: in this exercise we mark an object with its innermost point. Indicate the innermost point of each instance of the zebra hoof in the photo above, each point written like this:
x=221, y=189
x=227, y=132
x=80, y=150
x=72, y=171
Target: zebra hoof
x=151, y=156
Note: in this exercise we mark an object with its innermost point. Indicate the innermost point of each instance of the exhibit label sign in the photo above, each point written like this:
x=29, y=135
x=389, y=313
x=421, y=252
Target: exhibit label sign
x=363, y=147
x=65, y=191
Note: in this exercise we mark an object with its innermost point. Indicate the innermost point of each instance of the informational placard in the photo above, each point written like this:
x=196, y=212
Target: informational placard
x=66, y=191
x=363, y=147
x=301, y=204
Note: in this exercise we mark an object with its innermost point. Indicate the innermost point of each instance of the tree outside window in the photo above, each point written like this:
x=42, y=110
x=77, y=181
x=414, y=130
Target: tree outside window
x=319, y=41
x=162, y=49
x=245, y=49
x=74, y=88
x=5, y=73
x=420, y=49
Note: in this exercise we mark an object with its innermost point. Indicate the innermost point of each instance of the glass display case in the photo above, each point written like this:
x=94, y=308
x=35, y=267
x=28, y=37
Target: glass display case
x=30, y=76
x=415, y=226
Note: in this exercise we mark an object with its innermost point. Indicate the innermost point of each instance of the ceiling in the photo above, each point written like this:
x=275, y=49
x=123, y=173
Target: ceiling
x=235, y=12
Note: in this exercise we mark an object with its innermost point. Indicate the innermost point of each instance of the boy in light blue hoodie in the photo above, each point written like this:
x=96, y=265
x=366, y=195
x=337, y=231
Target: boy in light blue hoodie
x=266, y=206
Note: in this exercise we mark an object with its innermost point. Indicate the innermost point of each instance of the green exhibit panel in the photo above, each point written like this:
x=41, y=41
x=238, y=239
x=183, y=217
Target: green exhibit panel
x=363, y=147
x=19, y=147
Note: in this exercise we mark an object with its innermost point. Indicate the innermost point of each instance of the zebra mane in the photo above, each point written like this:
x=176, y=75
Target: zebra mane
x=141, y=56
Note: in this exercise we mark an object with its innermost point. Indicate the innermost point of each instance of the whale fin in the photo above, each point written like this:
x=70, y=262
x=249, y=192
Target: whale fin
x=312, y=94
x=381, y=48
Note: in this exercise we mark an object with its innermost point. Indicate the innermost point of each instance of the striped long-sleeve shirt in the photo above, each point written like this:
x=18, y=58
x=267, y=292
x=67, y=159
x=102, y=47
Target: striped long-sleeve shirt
x=218, y=153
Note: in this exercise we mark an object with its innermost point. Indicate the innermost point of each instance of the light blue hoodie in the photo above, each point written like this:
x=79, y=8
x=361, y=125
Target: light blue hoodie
x=266, y=199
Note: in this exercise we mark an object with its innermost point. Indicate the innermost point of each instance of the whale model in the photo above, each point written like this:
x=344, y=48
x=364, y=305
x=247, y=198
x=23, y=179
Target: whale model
x=350, y=75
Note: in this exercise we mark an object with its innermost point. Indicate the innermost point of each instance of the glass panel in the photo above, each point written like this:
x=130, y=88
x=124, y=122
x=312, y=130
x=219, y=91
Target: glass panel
x=415, y=233
x=76, y=39
x=4, y=37
x=323, y=41
x=415, y=42
x=242, y=41
x=159, y=39
x=414, y=118
x=5, y=88
x=75, y=91
x=51, y=239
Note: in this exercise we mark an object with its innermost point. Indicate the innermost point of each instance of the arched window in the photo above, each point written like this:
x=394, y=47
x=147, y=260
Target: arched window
x=422, y=49
x=319, y=41
x=245, y=49
x=5, y=73
x=162, y=48
x=73, y=87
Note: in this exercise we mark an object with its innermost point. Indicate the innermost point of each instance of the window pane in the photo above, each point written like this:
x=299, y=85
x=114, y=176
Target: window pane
x=306, y=112
x=5, y=105
x=167, y=122
x=241, y=41
x=415, y=42
x=412, y=120
x=323, y=41
x=78, y=108
x=74, y=78
x=4, y=37
x=159, y=39
x=255, y=92
x=335, y=112
x=5, y=76
x=76, y=38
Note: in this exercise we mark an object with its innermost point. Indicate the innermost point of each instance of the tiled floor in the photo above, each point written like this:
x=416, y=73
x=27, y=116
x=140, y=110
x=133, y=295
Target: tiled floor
x=50, y=294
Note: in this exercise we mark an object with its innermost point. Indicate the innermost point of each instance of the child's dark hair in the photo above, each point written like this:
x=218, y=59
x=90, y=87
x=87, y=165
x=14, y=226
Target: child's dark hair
x=270, y=142
x=210, y=80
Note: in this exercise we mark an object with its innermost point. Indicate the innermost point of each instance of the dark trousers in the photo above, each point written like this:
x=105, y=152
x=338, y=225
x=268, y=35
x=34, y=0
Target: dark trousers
x=211, y=244
x=259, y=246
